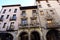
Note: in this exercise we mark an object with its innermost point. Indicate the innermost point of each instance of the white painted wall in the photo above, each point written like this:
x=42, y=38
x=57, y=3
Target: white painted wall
x=10, y=15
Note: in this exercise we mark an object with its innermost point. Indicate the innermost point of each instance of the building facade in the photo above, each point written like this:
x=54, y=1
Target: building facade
x=38, y=22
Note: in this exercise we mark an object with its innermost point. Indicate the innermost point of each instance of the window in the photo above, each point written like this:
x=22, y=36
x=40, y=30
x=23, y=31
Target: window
x=15, y=10
x=12, y=23
x=49, y=21
x=34, y=11
x=33, y=21
x=57, y=0
x=41, y=12
x=14, y=16
x=0, y=23
x=23, y=13
x=48, y=5
x=2, y=16
x=9, y=10
x=4, y=25
x=4, y=11
x=23, y=21
x=40, y=6
x=47, y=1
x=52, y=11
x=7, y=16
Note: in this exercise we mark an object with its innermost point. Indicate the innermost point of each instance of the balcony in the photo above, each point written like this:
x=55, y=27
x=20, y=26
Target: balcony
x=1, y=19
x=33, y=18
x=21, y=26
x=34, y=25
x=12, y=19
x=23, y=17
x=11, y=28
x=52, y=25
x=49, y=16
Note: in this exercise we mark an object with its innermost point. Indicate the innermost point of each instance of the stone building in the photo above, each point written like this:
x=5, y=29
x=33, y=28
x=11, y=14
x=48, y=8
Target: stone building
x=38, y=22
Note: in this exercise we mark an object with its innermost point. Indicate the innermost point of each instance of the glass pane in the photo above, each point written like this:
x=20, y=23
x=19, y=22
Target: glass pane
x=24, y=21
x=23, y=13
x=15, y=10
x=14, y=16
x=4, y=11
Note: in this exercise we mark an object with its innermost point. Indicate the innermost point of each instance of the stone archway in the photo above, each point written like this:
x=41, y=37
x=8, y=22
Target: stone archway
x=23, y=36
x=6, y=36
x=52, y=35
x=35, y=35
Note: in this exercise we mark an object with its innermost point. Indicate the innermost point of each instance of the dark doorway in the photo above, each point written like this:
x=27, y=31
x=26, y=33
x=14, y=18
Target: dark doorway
x=53, y=35
x=35, y=36
x=6, y=36
x=23, y=36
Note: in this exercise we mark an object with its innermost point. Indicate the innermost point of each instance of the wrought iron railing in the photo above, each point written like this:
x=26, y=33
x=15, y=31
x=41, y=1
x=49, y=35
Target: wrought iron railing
x=10, y=28
x=12, y=19
x=52, y=25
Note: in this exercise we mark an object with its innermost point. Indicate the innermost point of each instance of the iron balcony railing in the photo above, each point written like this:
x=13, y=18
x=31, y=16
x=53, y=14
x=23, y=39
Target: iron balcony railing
x=12, y=19
x=23, y=16
x=52, y=25
x=11, y=28
x=34, y=25
x=28, y=25
x=23, y=25
x=33, y=17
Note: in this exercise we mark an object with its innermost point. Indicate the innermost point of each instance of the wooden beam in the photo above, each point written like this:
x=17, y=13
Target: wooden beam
x=42, y=0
